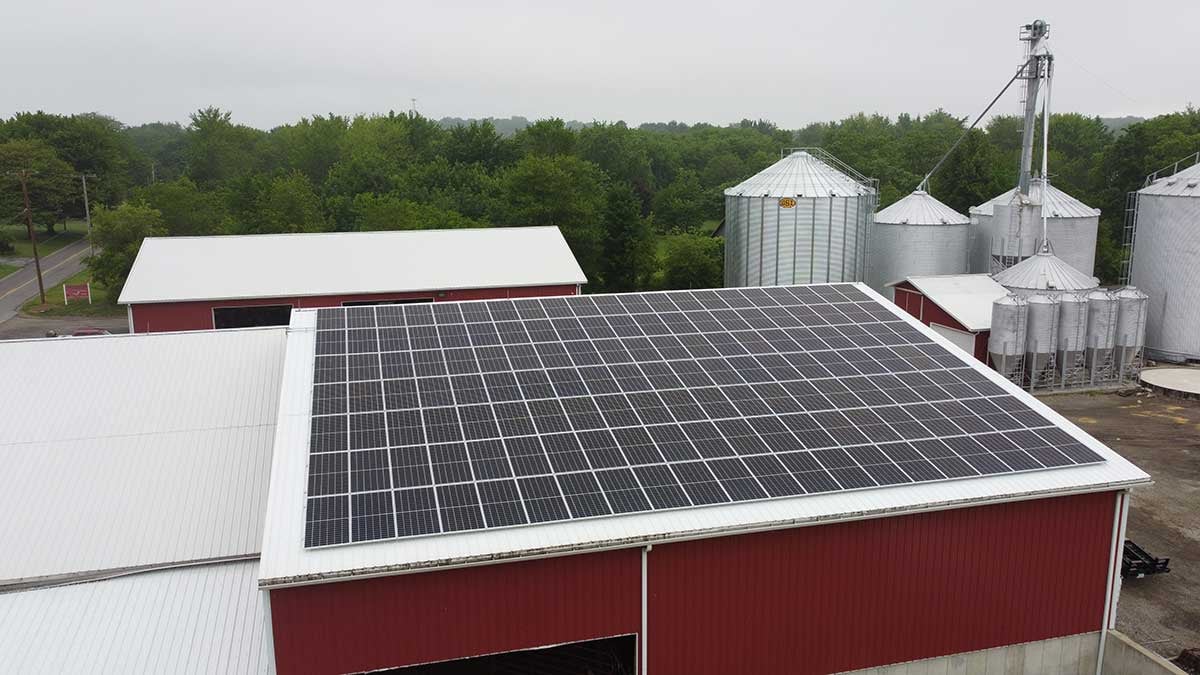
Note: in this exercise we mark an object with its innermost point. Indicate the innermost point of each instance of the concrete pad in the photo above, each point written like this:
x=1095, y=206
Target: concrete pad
x=1173, y=381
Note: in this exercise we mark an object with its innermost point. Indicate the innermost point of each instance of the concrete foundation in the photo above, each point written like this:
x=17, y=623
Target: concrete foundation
x=1181, y=382
x=1071, y=655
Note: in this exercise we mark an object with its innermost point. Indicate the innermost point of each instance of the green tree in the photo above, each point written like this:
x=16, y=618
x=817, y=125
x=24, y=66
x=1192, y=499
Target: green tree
x=286, y=204
x=118, y=234
x=971, y=175
x=629, y=260
x=219, y=150
x=546, y=138
x=390, y=212
x=562, y=190
x=164, y=148
x=185, y=208
x=620, y=153
x=89, y=143
x=680, y=206
x=478, y=143
x=692, y=261
x=311, y=146
x=49, y=179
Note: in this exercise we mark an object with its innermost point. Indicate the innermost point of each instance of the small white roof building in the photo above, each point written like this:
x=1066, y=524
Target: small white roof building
x=178, y=269
x=965, y=297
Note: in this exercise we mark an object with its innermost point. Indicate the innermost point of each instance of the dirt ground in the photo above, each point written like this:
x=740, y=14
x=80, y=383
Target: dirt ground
x=22, y=326
x=1162, y=436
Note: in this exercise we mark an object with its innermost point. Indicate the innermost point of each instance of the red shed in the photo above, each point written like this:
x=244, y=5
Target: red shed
x=200, y=283
x=837, y=523
x=957, y=306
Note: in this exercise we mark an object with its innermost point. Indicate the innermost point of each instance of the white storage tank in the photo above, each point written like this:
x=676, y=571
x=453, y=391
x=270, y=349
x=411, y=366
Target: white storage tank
x=1072, y=334
x=804, y=219
x=916, y=236
x=1041, y=334
x=1046, y=274
x=1102, y=330
x=1166, y=264
x=1070, y=224
x=1131, y=324
x=1006, y=342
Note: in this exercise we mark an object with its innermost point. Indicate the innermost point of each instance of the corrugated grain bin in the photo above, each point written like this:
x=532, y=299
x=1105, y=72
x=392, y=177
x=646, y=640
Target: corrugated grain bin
x=1166, y=264
x=1131, y=324
x=917, y=236
x=804, y=219
x=1102, y=328
x=1006, y=343
x=1070, y=224
x=1041, y=332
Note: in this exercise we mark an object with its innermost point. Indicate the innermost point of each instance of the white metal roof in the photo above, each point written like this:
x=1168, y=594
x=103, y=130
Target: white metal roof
x=1060, y=204
x=799, y=174
x=285, y=561
x=920, y=208
x=197, y=619
x=1186, y=183
x=966, y=297
x=1045, y=271
x=171, y=269
x=128, y=451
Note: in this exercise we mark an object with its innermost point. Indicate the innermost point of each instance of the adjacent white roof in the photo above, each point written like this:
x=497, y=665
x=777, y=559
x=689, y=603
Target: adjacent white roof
x=920, y=208
x=171, y=269
x=800, y=174
x=966, y=297
x=1186, y=183
x=132, y=451
x=1060, y=204
x=198, y=619
x=1045, y=271
x=285, y=561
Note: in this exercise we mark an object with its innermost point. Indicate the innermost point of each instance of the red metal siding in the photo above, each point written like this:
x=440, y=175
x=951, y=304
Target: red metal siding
x=926, y=311
x=420, y=618
x=867, y=593
x=168, y=316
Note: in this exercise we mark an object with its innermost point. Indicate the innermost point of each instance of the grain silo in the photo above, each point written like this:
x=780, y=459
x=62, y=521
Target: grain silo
x=1072, y=336
x=1006, y=343
x=1041, y=338
x=1131, y=325
x=1008, y=228
x=916, y=236
x=804, y=219
x=1165, y=261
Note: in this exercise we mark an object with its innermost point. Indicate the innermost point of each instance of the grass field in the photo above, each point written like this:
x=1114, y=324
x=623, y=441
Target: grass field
x=6, y=270
x=55, y=305
x=73, y=231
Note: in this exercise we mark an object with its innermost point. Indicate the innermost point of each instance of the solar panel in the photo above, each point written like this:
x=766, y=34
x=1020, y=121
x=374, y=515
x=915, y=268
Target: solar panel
x=463, y=416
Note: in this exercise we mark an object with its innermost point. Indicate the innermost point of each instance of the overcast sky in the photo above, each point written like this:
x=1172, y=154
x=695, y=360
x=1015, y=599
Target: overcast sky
x=651, y=60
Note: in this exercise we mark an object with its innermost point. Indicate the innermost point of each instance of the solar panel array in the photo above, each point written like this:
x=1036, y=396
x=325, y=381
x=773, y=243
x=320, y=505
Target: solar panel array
x=447, y=417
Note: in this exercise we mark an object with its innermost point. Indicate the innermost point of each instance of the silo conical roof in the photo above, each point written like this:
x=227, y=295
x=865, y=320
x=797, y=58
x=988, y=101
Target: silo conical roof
x=1185, y=183
x=1058, y=204
x=799, y=174
x=1044, y=271
x=920, y=208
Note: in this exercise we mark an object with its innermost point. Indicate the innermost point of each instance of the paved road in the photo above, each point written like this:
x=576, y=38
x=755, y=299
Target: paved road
x=21, y=285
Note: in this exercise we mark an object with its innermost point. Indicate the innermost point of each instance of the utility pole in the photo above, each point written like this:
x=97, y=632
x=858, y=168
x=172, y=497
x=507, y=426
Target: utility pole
x=87, y=210
x=23, y=176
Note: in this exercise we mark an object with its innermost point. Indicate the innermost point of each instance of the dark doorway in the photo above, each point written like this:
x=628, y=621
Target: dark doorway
x=248, y=317
x=364, y=303
x=608, y=656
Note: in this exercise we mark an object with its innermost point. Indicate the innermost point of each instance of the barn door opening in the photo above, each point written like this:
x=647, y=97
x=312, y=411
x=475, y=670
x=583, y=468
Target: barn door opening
x=606, y=656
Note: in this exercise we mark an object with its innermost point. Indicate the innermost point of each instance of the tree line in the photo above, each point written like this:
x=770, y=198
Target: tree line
x=637, y=205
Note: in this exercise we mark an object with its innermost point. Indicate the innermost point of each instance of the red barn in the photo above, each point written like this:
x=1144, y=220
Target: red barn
x=811, y=544
x=957, y=306
x=201, y=283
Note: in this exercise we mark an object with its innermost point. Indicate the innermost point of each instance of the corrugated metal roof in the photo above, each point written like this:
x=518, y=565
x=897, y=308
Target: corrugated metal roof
x=126, y=451
x=920, y=208
x=337, y=263
x=799, y=174
x=1186, y=183
x=1061, y=204
x=285, y=561
x=966, y=297
x=1044, y=271
x=197, y=619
